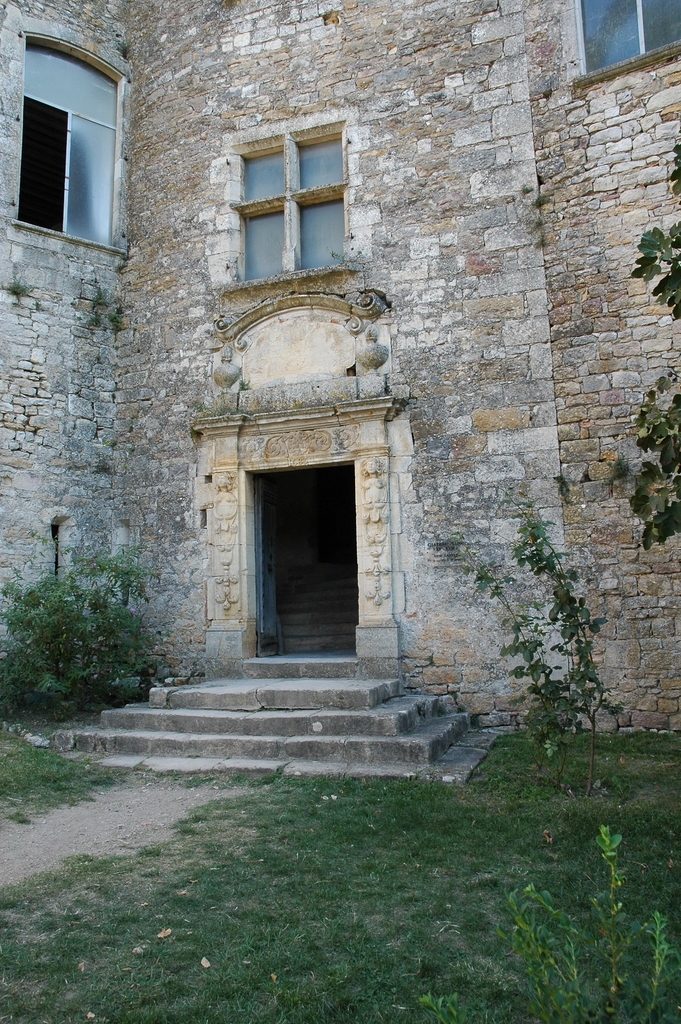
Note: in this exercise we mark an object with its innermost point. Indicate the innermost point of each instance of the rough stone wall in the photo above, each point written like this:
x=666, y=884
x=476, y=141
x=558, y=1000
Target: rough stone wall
x=57, y=373
x=604, y=153
x=441, y=180
x=492, y=196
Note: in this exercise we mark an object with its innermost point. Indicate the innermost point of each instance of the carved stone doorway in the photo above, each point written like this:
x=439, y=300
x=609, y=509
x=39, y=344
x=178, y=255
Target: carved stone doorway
x=236, y=451
x=306, y=561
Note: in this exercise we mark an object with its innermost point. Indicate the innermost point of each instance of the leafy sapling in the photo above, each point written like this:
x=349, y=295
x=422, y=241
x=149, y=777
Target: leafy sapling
x=662, y=253
x=657, y=497
x=553, y=642
x=585, y=975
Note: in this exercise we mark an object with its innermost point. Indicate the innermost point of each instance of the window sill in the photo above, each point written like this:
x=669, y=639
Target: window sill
x=331, y=274
x=642, y=60
x=61, y=236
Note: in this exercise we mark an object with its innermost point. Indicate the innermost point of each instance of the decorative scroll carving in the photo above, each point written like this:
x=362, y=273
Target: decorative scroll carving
x=355, y=325
x=225, y=536
x=295, y=447
x=372, y=304
x=223, y=322
x=376, y=519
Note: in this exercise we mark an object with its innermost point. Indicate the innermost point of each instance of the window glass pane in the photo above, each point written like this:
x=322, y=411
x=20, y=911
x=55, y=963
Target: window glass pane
x=264, y=245
x=661, y=22
x=322, y=231
x=65, y=82
x=43, y=165
x=264, y=176
x=321, y=164
x=610, y=32
x=91, y=165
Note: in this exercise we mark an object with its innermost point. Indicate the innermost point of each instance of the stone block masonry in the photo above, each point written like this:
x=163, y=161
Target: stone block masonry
x=604, y=150
x=491, y=194
x=57, y=353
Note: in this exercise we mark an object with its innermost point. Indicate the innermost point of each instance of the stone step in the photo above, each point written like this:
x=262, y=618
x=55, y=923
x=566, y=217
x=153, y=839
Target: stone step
x=393, y=718
x=310, y=622
x=343, y=584
x=277, y=694
x=301, y=642
x=252, y=767
x=296, y=666
x=327, y=605
x=418, y=748
x=328, y=621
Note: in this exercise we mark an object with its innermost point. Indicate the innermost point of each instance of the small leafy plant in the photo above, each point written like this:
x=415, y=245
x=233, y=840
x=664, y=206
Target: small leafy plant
x=116, y=318
x=588, y=975
x=657, y=498
x=18, y=289
x=553, y=642
x=662, y=253
x=79, y=635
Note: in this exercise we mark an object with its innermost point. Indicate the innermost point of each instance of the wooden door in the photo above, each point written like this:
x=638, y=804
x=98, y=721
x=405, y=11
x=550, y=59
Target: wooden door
x=265, y=560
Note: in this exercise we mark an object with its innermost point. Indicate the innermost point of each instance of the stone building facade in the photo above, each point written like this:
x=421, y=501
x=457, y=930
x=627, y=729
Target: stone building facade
x=477, y=333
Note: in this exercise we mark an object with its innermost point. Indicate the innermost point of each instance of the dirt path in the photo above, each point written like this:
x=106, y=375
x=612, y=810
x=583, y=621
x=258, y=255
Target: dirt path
x=117, y=821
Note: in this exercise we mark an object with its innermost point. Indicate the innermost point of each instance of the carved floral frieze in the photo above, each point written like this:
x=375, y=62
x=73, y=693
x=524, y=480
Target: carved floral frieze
x=296, y=447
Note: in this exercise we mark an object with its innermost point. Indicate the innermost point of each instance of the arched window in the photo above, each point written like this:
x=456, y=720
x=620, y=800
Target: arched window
x=69, y=139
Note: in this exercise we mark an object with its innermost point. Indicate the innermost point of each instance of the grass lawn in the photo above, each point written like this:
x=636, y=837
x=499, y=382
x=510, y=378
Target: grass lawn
x=338, y=902
x=33, y=780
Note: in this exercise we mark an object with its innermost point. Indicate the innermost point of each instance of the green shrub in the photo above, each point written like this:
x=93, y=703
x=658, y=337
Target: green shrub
x=588, y=975
x=78, y=636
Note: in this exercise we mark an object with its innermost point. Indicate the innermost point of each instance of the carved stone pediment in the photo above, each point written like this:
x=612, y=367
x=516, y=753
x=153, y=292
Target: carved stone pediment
x=302, y=337
x=367, y=306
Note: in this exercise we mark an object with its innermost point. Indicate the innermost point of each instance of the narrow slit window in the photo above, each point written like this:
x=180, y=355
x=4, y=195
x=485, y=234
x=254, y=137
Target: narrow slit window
x=68, y=147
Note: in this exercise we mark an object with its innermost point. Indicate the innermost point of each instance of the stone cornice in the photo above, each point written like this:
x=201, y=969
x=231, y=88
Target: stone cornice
x=385, y=407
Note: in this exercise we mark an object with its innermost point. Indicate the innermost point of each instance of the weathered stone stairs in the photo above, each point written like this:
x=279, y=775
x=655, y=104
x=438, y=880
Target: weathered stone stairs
x=317, y=608
x=301, y=715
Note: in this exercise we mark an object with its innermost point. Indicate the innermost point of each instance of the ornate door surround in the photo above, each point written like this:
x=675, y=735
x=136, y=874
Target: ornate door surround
x=233, y=448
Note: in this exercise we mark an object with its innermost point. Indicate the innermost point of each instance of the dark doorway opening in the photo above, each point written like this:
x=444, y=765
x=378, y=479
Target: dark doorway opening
x=306, y=553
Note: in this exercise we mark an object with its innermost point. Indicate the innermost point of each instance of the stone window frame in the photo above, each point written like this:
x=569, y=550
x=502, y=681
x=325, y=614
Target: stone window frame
x=39, y=33
x=293, y=197
x=638, y=60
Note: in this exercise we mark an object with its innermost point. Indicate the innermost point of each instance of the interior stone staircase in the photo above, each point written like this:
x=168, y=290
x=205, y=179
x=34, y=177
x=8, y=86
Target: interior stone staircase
x=296, y=714
x=317, y=608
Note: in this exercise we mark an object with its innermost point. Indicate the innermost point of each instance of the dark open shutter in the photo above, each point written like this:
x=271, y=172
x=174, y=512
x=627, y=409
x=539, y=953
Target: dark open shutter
x=43, y=165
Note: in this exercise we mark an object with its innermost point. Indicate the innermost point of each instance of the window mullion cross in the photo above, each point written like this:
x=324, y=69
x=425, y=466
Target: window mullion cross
x=641, y=28
x=291, y=256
